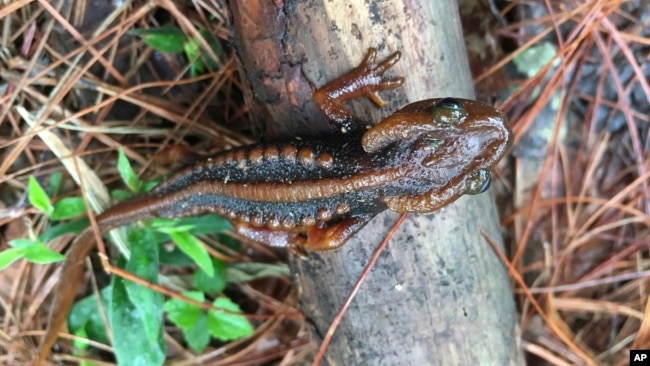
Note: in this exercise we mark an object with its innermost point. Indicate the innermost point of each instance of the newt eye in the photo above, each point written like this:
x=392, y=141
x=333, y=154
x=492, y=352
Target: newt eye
x=486, y=184
x=449, y=103
x=477, y=182
x=450, y=111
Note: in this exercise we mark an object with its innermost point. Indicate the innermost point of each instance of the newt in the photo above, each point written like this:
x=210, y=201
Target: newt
x=314, y=194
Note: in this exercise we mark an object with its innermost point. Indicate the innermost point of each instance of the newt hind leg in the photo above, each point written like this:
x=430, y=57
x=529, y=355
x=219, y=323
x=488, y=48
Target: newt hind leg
x=367, y=80
x=333, y=236
x=313, y=238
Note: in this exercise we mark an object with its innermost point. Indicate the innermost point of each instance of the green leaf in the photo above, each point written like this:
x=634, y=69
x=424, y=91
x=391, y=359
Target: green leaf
x=121, y=194
x=132, y=343
x=192, y=50
x=229, y=242
x=197, y=325
x=174, y=257
x=37, y=197
x=216, y=47
x=35, y=251
x=197, y=336
x=78, y=344
x=40, y=254
x=68, y=208
x=211, y=284
x=226, y=326
x=191, y=319
x=190, y=245
x=197, y=67
x=8, y=256
x=198, y=56
x=169, y=226
x=163, y=39
x=85, y=317
x=197, y=225
x=144, y=264
x=56, y=182
x=22, y=243
x=181, y=313
x=206, y=224
x=73, y=227
x=149, y=185
x=127, y=173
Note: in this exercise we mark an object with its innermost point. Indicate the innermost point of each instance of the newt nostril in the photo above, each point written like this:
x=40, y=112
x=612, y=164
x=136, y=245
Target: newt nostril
x=432, y=143
x=432, y=161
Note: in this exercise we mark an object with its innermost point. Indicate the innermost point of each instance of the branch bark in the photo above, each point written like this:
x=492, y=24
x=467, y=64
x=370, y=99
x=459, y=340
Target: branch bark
x=439, y=294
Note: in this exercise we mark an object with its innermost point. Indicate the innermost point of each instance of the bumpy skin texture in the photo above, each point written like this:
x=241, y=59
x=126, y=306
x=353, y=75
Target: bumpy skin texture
x=316, y=194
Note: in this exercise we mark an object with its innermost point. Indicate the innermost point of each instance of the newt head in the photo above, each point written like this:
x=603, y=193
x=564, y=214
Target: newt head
x=453, y=145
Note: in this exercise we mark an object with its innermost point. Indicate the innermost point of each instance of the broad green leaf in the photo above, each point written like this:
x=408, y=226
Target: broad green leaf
x=9, y=256
x=86, y=318
x=211, y=284
x=132, y=344
x=190, y=245
x=37, y=197
x=127, y=173
x=184, y=314
x=144, y=264
x=40, y=254
x=226, y=326
x=68, y=208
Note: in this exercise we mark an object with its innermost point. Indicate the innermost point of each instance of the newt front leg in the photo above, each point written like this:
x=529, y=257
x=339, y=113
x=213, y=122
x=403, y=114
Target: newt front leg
x=366, y=80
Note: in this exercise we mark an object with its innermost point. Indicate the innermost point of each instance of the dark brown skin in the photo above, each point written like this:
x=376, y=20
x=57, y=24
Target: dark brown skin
x=316, y=194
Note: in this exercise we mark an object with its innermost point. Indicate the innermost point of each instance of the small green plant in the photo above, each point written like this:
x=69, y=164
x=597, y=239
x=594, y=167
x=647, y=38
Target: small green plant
x=35, y=250
x=32, y=250
x=174, y=40
x=137, y=311
x=198, y=325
